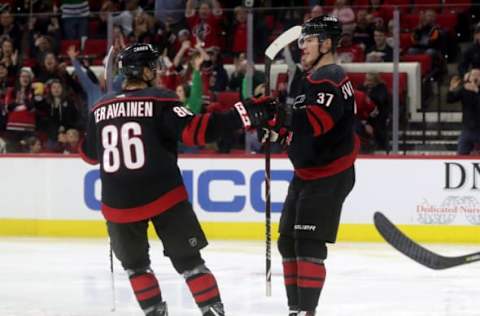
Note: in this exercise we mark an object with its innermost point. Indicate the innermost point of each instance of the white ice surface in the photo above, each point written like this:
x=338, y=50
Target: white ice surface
x=71, y=277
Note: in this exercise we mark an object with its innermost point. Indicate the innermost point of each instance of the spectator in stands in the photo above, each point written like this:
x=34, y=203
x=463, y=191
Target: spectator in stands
x=183, y=93
x=469, y=95
x=51, y=69
x=93, y=86
x=9, y=57
x=69, y=141
x=197, y=95
x=167, y=75
x=377, y=91
x=347, y=51
x=171, y=13
x=36, y=17
x=205, y=22
x=126, y=17
x=31, y=145
x=238, y=80
x=40, y=46
x=316, y=11
x=20, y=103
x=59, y=113
x=379, y=13
x=75, y=15
x=366, y=110
x=239, y=31
x=363, y=32
x=5, y=82
x=345, y=14
x=471, y=56
x=182, y=58
x=143, y=29
x=381, y=51
x=9, y=28
x=218, y=76
x=427, y=38
x=108, y=7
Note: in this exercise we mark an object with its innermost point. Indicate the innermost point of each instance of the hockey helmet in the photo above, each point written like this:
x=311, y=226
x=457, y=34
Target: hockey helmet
x=323, y=27
x=134, y=58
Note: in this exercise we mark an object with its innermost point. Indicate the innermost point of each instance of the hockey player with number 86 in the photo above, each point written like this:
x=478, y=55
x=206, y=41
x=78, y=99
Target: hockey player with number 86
x=133, y=135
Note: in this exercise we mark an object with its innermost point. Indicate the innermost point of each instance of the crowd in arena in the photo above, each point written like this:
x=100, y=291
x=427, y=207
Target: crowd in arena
x=44, y=104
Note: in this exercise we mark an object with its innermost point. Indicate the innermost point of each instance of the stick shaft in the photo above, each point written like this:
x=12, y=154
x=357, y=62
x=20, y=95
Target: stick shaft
x=268, y=227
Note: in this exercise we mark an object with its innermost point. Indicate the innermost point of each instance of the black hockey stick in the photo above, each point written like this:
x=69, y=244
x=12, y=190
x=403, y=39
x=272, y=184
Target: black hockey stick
x=414, y=251
x=272, y=50
x=112, y=281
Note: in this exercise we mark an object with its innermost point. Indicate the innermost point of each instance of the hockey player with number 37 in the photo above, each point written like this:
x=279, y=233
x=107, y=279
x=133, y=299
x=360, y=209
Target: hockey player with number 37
x=322, y=147
x=134, y=136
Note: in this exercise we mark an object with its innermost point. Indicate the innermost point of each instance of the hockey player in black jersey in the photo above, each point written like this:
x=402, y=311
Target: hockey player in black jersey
x=322, y=148
x=133, y=136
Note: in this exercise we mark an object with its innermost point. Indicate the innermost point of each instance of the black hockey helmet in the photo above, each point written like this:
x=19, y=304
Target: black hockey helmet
x=324, y=26
x=134, y=58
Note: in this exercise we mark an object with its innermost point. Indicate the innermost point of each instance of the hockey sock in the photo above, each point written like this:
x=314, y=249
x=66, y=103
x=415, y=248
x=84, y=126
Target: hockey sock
x=290, y=279
x=146, y=288
x=311, y=276
x=203, y=286
x=286, y=247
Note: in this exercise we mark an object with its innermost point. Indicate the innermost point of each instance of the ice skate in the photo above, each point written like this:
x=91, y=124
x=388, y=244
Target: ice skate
x=213, y=310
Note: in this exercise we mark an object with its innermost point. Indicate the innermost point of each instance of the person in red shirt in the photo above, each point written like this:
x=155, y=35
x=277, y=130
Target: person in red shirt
x=349, y=52
x=239, y=34
x=205, y=22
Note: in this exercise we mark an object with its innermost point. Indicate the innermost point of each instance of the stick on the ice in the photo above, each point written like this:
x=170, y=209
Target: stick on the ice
x=112, y=281
x=416, y=252
x=278, y=44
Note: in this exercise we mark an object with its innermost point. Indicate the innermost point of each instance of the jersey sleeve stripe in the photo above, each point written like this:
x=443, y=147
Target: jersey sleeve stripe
x=154, y=208
x=315, y=123
x=200, y=137
x=324, y=117
x=188, y=134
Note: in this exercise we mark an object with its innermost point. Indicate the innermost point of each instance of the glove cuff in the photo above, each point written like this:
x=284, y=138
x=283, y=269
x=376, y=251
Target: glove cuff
x=242, y=112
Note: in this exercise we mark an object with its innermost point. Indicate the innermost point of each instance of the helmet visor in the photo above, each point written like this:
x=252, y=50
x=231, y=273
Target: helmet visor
x=304, y=38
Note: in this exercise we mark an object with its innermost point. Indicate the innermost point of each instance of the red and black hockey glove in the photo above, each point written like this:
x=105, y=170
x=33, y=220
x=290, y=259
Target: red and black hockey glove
x=256, y=112
x=279, y=129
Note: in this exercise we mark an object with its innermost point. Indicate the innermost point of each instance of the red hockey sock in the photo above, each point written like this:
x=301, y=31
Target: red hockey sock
x=290, y=279
x=146, y=289
x=204, y=288
x=311, y=276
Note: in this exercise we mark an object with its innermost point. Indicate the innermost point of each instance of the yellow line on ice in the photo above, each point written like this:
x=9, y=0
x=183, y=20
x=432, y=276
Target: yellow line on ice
x=238, y=231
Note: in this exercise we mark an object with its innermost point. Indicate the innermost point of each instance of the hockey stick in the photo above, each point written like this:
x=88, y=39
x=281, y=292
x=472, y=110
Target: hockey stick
x=414, y=251
x=112, y=279
x=272, y=50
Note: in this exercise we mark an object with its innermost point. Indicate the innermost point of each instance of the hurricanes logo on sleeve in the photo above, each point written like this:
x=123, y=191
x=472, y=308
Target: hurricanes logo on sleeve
x=299, y=101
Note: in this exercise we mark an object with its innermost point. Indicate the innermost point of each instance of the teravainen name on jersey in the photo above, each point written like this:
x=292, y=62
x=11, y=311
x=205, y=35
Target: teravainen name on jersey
x=134, y=137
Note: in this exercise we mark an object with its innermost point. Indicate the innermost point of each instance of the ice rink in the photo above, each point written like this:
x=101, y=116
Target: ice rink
x=60, y=277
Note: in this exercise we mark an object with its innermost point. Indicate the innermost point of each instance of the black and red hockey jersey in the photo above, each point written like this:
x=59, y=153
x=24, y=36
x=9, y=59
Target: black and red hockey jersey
x=134, y=136
x=323, y=141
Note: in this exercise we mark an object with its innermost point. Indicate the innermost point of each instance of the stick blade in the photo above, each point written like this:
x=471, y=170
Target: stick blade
x=405, y=245
x=283, y=40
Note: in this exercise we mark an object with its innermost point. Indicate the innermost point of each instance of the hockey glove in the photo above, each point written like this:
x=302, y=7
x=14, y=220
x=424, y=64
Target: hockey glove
x=282, y=136
x=279, y=129
x=255, y=113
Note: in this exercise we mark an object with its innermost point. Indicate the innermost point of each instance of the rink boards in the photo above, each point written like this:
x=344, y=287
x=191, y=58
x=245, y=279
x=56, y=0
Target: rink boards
x=431, y=199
